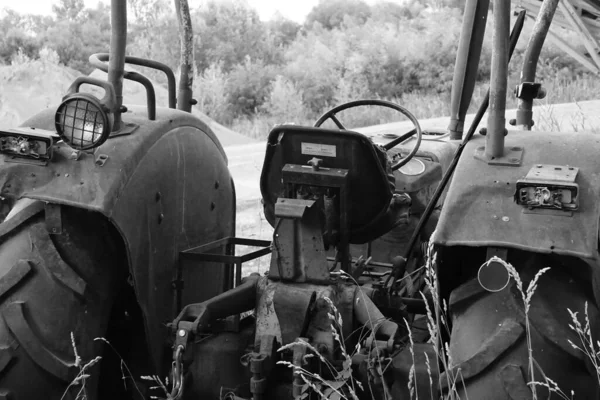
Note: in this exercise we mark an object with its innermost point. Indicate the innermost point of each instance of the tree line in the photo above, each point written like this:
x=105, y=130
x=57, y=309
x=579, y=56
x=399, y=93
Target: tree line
x=248, y=68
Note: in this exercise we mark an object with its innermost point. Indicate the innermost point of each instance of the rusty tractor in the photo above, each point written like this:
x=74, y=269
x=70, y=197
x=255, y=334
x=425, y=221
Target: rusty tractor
x=390, y=273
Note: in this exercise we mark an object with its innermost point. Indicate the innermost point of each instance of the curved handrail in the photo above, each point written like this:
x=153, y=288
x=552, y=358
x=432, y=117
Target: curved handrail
x=100, y=60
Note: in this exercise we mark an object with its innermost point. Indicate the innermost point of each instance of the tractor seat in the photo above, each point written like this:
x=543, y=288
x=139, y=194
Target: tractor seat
x=373, y=209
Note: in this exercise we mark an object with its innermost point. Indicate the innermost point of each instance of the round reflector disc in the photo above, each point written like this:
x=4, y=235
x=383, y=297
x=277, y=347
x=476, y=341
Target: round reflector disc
x=493, y=276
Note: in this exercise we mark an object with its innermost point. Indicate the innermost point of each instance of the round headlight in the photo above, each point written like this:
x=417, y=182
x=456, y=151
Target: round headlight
x=82, y=122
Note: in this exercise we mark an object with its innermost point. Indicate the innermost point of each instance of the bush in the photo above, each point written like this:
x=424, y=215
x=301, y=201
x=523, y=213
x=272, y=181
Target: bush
x=315, y=68
x=15, y=41
x=285, y=101
x=248, y=86
x=210, y=91
x=228, y=32
x=49, y=56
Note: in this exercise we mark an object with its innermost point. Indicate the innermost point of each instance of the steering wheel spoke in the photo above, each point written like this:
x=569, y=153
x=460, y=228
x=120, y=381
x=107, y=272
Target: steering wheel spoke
x=381, y=103
x=400, y=139
x=336, y=121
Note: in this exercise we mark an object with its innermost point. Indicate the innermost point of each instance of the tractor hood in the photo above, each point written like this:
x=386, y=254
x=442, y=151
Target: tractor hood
x=480, y=209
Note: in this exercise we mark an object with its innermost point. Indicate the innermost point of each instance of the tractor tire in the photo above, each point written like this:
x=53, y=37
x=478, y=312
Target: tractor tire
x=488, y=349
x=56, y=293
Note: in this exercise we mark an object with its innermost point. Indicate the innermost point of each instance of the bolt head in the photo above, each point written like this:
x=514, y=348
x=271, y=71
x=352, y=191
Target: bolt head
x=181, y=333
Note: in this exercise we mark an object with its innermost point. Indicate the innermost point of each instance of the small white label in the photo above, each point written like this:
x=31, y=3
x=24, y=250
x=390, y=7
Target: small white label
x=315, y=149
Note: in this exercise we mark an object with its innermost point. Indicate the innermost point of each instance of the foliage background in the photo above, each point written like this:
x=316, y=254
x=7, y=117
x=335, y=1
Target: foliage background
x=252, y=73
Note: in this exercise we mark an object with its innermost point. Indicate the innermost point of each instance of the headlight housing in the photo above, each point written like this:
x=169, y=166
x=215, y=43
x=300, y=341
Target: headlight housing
x=82, y=121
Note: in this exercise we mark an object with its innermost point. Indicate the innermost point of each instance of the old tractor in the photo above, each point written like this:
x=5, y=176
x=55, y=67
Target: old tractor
x=98, y=200
x=374, y=292
x=118, y=240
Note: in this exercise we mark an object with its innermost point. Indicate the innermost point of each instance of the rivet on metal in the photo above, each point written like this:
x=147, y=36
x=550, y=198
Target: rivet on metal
x=181, y=333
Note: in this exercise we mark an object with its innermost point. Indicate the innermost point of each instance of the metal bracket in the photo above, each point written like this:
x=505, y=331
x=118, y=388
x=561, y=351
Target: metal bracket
x=529, y=91
x=513, y=156
x=101, y=160
x=126, y=129
x=54, y=219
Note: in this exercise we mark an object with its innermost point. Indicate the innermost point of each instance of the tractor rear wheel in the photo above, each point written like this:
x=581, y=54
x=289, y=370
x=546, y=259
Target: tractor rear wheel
x=56, y=293
x=489, y=357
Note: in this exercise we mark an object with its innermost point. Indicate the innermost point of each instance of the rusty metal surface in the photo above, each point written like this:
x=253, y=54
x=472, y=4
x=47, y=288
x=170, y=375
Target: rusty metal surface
x=186, y=39
x=267, y=323
x=298, y=249
x=159, y=188
x=531, y=57
x=293, y=306
x=494, y=147
x=118, y=44
x=467, y=63
x=216, y=366
x=480, y=210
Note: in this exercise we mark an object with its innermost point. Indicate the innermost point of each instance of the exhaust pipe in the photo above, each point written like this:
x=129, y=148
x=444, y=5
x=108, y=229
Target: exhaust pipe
x=530, y=61
x=494, y=144
x=116, y=63
x=467, y=64
x=186, y=76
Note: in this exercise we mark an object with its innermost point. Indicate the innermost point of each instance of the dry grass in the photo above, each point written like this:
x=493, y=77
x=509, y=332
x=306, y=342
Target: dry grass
x=345, y=386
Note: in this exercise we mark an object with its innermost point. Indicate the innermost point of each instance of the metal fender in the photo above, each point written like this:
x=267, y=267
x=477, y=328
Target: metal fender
x=165, y=187
x=480, y=210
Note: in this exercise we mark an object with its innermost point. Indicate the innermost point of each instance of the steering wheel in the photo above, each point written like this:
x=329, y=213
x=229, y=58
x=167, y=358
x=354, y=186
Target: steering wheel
x=382, y=103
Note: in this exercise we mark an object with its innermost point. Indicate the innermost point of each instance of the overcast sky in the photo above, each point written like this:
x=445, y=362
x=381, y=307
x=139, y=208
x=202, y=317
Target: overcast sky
x=294, y=10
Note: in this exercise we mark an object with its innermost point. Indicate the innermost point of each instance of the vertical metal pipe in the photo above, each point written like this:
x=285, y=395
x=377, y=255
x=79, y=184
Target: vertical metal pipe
x=116, y=63
x=467, y=63
x=494, y=145
x=530, y=60
x=186, y=37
